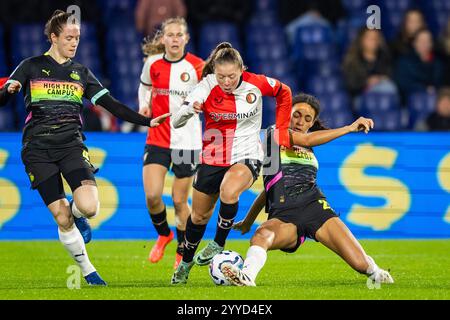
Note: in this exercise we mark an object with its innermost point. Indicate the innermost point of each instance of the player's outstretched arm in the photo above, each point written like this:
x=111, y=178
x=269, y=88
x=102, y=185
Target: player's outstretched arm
x=123, y=112
x=255, y=209
x=8, y=91
x=187, y=111
x=317, y=138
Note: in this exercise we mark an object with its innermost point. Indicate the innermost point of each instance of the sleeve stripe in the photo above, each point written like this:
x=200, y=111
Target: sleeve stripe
x=99, y=95
x=146, y=84
x=279, y=89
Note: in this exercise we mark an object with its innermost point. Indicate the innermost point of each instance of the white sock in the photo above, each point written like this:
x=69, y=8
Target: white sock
x=254, y=262
x=73, y=242
x=373, y=268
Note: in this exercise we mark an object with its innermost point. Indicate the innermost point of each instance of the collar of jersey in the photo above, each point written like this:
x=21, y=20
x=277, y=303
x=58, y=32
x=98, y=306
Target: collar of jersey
x=166, y=60
x=53, y=60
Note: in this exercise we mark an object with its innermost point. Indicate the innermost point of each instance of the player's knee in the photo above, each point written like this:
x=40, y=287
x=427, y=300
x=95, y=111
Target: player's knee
x=199, y=219
x=229, y=195
x=262, y=237
x=64, y=222
x=153, y=200
x=179, y=202
x=90, y=210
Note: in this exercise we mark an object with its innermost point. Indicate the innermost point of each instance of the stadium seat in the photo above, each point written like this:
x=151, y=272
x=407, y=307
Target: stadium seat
x=355, y=7
x=384, y=108
x=3, y=67
x=336, y=109
x=212, y=33
x=265, y=6
x=420, y=105
x=318, y=85
x=29, y=40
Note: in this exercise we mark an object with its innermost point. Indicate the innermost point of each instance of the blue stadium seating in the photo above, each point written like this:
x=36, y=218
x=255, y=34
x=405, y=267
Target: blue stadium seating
x=319, y=85
x=265, y=6
x=336, y=109
x=355, y=7
x=384, y=108
x=29, y=40
x=420, y=105
x=213, y=33
x=3, y=66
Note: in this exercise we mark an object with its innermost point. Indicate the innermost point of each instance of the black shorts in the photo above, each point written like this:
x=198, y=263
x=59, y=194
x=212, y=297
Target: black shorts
x=308, y=219
x=41, y=164
x=184, y=162
x=209, y=178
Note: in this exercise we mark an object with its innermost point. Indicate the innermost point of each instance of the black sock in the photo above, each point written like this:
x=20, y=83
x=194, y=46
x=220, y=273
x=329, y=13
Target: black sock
x=160, y=222
x=192, y=238
x=180, y=238
x=227, y=213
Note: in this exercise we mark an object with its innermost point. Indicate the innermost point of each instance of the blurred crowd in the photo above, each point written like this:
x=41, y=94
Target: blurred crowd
x=401, y=71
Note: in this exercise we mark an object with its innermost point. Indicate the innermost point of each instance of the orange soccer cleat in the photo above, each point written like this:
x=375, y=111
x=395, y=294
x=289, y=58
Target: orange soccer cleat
x=157, y=251
x=178, y=258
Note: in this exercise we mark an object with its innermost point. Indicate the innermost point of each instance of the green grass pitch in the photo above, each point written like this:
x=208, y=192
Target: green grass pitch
x=37, y=270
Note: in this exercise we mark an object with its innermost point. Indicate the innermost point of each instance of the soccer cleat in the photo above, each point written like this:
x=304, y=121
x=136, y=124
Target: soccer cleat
x=84, y=227
x=236, y=276
x=205, y=255
x=157, y=251
x=94, y=279
x=382, y=276
x=178, y=258
x=180, y=276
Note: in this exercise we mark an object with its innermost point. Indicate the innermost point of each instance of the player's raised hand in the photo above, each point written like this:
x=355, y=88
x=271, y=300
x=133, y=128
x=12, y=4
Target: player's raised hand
x=158, y=120
x=242, y=226
x=362, y=124
x=14, y=87
x=198, y=107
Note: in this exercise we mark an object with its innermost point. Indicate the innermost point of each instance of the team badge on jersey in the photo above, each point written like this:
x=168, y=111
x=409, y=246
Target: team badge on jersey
x=185, y=77
x=272, y=82
x=75, y=76
x=218, y=100
x=251, y=98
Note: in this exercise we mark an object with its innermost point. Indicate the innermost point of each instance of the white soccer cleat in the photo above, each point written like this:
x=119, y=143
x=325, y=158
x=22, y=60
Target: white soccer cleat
x=382, y=276
x=236, y=276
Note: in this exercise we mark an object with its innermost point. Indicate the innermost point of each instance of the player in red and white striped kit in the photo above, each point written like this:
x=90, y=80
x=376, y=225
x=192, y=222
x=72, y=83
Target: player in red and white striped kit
x=232, y=154
x=168, y=76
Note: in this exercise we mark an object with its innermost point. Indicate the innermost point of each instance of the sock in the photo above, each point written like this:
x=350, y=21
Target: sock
x=373, y=268
x=193, y=236
x=254, y=262
x=180, y=239
x=227, y=213
x=73, y=242
x=159, y=220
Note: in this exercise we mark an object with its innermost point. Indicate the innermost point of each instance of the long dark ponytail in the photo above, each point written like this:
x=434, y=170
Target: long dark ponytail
x=224, y=52
x=315, y=104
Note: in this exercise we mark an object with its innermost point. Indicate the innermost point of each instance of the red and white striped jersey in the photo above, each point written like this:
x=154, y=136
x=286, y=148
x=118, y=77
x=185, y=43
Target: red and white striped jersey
x=171, y=83
x=233, y=121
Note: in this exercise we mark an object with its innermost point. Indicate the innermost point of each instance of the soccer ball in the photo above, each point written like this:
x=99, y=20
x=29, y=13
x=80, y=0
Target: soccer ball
x=216, y=262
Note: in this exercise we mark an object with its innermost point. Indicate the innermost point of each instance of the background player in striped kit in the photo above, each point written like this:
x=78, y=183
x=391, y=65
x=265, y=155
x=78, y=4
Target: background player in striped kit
x=297, y=207
x=232, y=153
x=54, y=86
x=167, y=77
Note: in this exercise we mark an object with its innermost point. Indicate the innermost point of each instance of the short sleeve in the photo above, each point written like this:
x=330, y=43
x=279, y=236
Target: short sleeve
x=145, y=75
x=269, y=87
x=21, y=73
x=201, y=91
x=94, y=89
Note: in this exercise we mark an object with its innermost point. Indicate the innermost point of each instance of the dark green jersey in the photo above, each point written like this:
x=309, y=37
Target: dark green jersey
x=53, y=95
x=289, y=175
